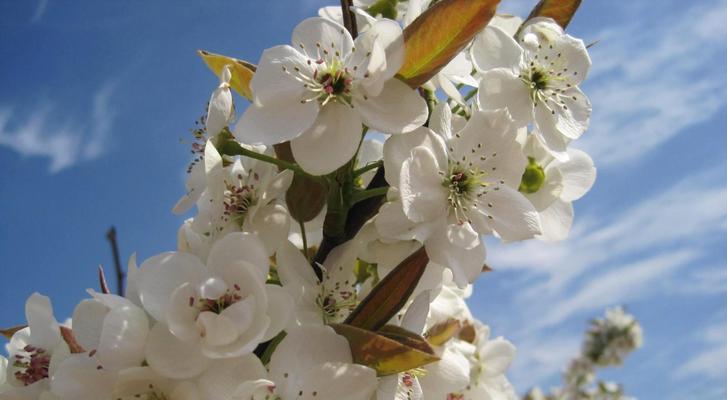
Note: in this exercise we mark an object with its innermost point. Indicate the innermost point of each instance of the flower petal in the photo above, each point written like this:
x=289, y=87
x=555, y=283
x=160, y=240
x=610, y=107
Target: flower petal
x=44, y=330
x=397, y=109
x=423, y=197
x=171, y=357
x=579, y=174
x=501, y=88
x=493, y=48
x=556, y=221
x=466, y=265
x=313, y=35
x=511, y=215
x=280, y=309
x=397, y=149
x=275, y=123
x=330, y=142
x=220, y=382
x=239, y=247
x=271, y=224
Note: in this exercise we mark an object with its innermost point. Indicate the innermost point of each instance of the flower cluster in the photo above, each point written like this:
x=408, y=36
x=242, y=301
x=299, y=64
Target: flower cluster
x=606, y=343
x=339, y=221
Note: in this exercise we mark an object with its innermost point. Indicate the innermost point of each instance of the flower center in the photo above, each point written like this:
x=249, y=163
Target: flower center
x=538, y=80
x=463, y=185
x=533, y=177
x=33, y=363
x=238, y=200
x=219, y=304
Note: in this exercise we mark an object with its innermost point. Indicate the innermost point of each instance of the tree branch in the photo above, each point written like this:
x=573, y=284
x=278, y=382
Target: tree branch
x=111, y=236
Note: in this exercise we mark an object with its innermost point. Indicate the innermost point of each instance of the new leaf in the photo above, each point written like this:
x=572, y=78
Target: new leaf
x=242, y=71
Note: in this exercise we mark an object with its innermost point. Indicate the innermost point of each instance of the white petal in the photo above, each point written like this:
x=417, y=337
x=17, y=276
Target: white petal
x=579, y=174
x=488, y=141
x=171, y=357
x=182, y=312
x=219, y=111
x=195, y=184
x=318, y=33
x=501, y=88
x=239, y=247
x=549, y=191
x=217, y=329
x=379, y=55
x=280, y=307
x=449, y=375
x=293, y=268
x=397, y=109
x=496, y=356
x=448, y=88
x=277, y=122
x=462, y=235
x=331, y=381
x=513, y=217
x=392, y=223
x=397, y=149
x=271, y=82
x=423, y=196
x=220, y=382
x=78, y=378
x=330, y=142
x=556, y=221
x=557, y=120
x=160, y=275
x=88, y=318
x=306, y=347
x=441, y=121
x=277, y=186
x=416, y=315
x=493, y=48
x=44, y=330
x=272, y=225
x=125, y=331
x=466, y=265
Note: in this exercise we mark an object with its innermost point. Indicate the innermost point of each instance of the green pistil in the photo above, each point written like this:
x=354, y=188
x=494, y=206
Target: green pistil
x=539, y=80
x=462, y=185
x=533, y=177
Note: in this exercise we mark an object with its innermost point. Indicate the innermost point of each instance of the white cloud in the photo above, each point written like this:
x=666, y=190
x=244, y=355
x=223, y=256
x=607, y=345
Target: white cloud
x=64, y=143
x=711, y=361
x=39, y=11
x=655, y=77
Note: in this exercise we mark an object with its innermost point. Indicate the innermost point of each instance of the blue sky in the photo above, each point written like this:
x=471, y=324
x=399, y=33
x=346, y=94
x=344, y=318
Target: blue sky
x=97, y=100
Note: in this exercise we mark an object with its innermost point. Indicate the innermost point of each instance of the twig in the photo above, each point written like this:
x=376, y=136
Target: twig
x=102, y=281
x=349, y=18
x=111, y=236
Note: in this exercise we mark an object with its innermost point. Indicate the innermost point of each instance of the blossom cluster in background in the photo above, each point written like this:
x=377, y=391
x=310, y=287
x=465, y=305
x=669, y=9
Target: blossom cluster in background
x=339, y=220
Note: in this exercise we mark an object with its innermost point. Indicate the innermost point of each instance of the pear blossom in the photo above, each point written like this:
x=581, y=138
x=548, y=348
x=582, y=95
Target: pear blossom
x=241, y=196
x=449, y=188
x=536, y=78
x=34, y=352
x=318, y=302
x=489, y=360
x=224, y=308
x=318, y=92
x=220, y=111
x=312, y=363
x=552, y=185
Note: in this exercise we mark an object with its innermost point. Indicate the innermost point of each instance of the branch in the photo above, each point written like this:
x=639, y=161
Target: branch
x=349, y=18
x=111, y=236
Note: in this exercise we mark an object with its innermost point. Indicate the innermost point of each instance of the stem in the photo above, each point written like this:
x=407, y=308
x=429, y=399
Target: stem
x=232, y=148
x=367, y=194
x=305, y=239
x=349, y=18
x=368, y=167
x=468, y=96
x=111, y=236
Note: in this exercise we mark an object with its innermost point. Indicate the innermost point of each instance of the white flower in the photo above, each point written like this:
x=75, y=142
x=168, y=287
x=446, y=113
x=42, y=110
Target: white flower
x=537, y=82
x=552, y=185
x=35, y=352
x=449, y=189
x=490, y=360
x=318, y=302
x=239, y=197
x=112, y=331
x=224, y=307
x=312, y=363
x=220, y=111
x=319, y=91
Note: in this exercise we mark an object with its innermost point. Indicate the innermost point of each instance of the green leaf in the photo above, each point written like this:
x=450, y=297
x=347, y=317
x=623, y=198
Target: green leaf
x=439, y=34
x=387, y=356
x=561, y=11
x=385, y=8
x=242, y=71
x=305, y=197
x=406, y=337
x=391, y=293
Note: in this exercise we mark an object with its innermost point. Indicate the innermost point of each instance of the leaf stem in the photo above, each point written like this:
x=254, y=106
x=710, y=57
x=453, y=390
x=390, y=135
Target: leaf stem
x=362, y=195
x=368, y=167
x=305, y=239
x=468, y=96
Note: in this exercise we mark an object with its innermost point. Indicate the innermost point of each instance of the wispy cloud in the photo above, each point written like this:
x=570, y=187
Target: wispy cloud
x=609, y=260
x=65, y=143
x=653, y=78
x=711, y=361
x=39, y=11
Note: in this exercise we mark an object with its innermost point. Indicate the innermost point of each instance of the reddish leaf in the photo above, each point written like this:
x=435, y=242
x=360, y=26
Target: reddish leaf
x=439, y=34
x=441, y=333
x=9, y=332
x=390, y=295
x=387, y=356
x=70, y=340
x=406, y=337
x=306, y=197
x=102, y=281
x=561, y=11
x=242, y=71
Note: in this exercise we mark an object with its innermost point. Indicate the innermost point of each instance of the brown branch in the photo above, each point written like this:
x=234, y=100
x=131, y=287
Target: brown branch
x=111, y=236
x=349, y=18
